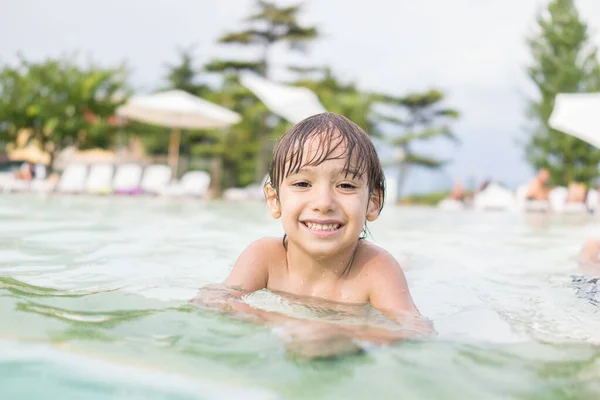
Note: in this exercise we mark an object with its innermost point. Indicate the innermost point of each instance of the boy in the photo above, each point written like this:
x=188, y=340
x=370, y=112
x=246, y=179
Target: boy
x=325, y=183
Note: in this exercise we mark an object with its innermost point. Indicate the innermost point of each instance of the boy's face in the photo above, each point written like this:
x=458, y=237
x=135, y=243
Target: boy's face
x=323, y=209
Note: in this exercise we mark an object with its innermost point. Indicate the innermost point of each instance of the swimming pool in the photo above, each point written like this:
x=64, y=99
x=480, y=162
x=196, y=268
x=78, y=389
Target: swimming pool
x=94, y=291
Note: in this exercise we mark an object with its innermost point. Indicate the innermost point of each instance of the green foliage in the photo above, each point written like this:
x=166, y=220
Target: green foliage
x=425, y=199
x=60, y=102
x=416, y=117
x=563, y=62
x=183, y=76
x=269, y=25
x=341, y=98
x=240, y=145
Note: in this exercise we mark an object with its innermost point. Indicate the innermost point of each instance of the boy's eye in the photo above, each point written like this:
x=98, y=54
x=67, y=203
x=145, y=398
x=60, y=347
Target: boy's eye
x=347, y=186
x=301, y=184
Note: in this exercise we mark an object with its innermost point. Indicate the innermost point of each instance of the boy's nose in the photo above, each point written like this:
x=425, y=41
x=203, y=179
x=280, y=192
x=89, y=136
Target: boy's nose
x=323, y=199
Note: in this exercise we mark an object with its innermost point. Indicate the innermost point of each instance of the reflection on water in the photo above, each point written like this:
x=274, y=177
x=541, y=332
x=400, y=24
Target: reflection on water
x=94, y=292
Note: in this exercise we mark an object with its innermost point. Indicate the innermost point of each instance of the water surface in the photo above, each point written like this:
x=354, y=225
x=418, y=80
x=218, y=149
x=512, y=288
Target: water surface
x=94, y=304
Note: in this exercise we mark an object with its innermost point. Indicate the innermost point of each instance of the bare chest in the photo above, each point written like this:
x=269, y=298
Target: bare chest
x=338, y=289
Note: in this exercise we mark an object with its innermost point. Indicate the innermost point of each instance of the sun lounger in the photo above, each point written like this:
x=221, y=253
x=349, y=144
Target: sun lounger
x=156, y=179
x=99, y=180
x=592, y=200
x=449, y=204
x=558, y=201
x=494, y=198
x=127, y=179
x=193, y=183
x=558, y=198
x=6, y=181
x=530, y=205
x=72, y=179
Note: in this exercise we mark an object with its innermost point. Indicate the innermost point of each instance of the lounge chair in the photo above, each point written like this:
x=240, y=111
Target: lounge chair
x=9, y=183
x=494, y=198
x=72, y=179
x=558, y=200
x=100, y=179
x=449, y=204
x=127, y=179
x=593, y=200
x=530, y=205
x=253, y=191
x=193, y=183
x=156, y=178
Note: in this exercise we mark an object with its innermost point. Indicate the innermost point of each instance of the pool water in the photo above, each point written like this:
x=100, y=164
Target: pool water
x=94, y=304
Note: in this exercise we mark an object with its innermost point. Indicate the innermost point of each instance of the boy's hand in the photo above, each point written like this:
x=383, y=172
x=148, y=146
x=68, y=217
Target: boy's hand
x=313, y=340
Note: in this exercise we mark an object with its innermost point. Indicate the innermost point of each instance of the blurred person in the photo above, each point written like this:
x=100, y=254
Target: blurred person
x=325, y=182
x=589, y=262
x=26, y=172
x=587, y=284
x=458, y=191
x=538, y=188
x=576, y=192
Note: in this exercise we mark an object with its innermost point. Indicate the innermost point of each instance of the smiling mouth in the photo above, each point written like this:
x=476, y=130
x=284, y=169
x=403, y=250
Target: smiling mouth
x=322, y=227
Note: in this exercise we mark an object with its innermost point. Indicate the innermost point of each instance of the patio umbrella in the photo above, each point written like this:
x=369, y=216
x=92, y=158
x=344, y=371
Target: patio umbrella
x=289, y=102
x=177, y=109
x=31, y=154
x=578, y=115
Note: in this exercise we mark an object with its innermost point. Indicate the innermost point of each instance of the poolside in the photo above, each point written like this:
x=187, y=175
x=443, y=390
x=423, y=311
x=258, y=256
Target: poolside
x=94, y=292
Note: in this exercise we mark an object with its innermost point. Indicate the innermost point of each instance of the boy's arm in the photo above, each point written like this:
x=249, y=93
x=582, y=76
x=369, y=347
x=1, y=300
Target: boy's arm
x=250, y=271
x=388, y=293
x=388, y=290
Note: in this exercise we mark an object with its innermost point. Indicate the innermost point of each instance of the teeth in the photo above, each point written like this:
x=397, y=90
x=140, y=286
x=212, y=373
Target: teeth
x=319, y=227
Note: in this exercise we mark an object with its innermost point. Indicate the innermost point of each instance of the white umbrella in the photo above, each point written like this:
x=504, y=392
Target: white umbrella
x=289, y=102
x=578, y=114
x=177, y=109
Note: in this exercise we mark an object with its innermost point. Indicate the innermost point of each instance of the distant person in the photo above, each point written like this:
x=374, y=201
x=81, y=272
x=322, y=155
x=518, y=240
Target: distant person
x=588, y=282
x=458, y=192
x=576, y=193
x=589, y=262
x=26, y=172
x=538, y=188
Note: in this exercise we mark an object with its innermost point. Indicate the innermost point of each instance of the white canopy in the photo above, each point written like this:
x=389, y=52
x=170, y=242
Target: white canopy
x=177, y=109
x=578, y=114
x=289, y=102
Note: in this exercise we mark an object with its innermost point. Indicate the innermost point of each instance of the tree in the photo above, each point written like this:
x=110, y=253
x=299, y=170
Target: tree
x=416, y=117
x=339, y=97
x=269, y=26
x=563, y=61
x=184, y=75
x=61, y=103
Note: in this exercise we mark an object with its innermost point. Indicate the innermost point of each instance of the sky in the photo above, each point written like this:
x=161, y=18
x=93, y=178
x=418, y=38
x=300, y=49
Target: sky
x=473, y=50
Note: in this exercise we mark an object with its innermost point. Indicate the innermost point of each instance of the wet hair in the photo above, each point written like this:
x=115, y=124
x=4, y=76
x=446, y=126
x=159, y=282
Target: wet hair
x=332, y=131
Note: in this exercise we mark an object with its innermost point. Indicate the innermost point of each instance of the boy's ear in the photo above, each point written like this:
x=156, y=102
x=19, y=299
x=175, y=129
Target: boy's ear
x=373, y=209
x=272, y=201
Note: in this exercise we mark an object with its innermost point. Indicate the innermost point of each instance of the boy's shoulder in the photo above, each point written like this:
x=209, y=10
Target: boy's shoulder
x=377, y=262
x=263, y=251
x=386, y=284
x=376, y=256
x=266, y=244
x=251, y=269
